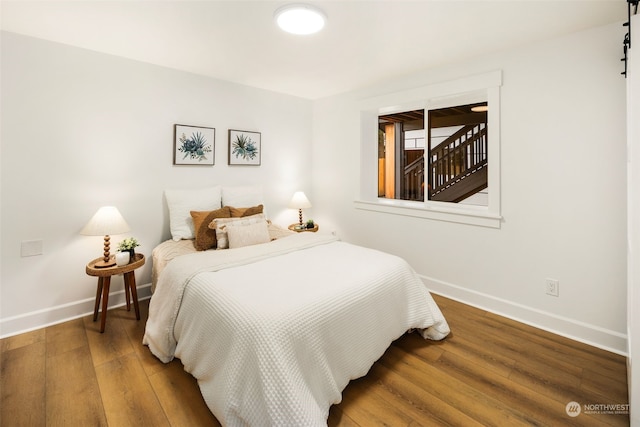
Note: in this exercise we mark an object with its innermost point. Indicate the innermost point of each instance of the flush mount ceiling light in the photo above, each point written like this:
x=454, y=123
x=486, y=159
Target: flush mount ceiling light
x=300, y=19
x=480, y=108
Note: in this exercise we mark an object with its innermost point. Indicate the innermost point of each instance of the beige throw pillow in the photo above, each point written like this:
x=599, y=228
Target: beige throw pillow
x=220, y=225
x=246, y=235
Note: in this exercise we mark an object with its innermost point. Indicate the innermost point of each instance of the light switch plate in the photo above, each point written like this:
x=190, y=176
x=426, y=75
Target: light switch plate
x=31, y=248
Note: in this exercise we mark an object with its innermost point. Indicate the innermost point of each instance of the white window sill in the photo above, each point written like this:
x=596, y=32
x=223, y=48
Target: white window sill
x=471, y=215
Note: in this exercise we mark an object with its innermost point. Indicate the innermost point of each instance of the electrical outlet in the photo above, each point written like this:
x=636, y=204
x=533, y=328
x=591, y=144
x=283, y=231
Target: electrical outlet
x=552, y=287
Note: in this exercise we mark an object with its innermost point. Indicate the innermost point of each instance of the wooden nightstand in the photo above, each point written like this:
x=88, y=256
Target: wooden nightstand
x=104, y=281
x=292, y=227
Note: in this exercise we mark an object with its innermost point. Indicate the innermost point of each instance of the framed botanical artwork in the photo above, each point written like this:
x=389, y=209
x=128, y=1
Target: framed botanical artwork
x=244, y=148
x=194, y=145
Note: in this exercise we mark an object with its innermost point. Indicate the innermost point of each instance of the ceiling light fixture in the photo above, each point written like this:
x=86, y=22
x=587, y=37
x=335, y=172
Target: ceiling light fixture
x=300, y=19
x=480, y=108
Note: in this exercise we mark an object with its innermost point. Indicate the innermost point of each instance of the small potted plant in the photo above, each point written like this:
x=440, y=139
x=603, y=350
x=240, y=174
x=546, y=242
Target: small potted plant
x=310, y=224
x=129, y=245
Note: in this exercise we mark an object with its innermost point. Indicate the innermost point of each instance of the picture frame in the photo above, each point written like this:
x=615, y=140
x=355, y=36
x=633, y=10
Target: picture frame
x=245, y=147
x=194, y=145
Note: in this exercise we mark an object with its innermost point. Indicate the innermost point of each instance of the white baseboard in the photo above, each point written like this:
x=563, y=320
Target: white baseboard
x=573, y=329
x=62, y=313
x=576, y=330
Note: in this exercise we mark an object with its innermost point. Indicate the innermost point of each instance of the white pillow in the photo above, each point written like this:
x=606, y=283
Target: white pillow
x=182, y=202
x=220, y=225
x=240, y=235
x=242, y=196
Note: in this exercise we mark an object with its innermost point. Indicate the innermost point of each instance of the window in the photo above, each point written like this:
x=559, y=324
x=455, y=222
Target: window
x=457, y=156
x=437, y=152
x=401, y=144
x=451, y=167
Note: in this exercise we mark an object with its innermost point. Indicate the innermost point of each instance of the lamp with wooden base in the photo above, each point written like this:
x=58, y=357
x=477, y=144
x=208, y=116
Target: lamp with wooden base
x=106, y=221
x=299, y=201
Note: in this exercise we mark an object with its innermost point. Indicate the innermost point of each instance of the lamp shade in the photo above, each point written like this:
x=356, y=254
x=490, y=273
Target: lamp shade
x=107, y=220
x=299, y=201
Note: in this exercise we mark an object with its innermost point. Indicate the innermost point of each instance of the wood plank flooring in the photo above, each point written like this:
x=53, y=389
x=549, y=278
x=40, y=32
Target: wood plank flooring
x=490, y=371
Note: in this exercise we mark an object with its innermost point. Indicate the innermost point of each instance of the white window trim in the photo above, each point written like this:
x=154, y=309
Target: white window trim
x=429, y=97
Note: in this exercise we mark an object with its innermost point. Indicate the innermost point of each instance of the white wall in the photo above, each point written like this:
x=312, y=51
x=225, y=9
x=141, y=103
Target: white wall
x=563, y=190
x=633, y=212
x=81, y=130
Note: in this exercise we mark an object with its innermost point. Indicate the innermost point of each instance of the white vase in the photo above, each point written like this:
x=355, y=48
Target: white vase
x=122, y=258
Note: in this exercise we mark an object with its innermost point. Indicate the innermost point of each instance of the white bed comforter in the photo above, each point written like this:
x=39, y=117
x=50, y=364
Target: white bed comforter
x=276, y=343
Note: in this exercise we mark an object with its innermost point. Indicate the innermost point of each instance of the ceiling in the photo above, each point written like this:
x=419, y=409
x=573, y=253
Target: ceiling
x=363, y=43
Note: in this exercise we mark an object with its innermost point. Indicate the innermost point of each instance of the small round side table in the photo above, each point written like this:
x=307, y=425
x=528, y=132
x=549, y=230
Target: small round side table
x=293, y=227
x=104, y=281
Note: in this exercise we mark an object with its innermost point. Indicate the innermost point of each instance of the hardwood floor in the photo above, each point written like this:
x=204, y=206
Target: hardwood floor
x=489, y=371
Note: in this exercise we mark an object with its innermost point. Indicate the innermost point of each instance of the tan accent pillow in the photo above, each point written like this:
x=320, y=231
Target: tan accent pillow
x=241, y=212
x=240, y=235
x=206, y=237
x=220, y=226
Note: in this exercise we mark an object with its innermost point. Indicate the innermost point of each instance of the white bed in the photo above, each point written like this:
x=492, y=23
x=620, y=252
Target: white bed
x=274, y=332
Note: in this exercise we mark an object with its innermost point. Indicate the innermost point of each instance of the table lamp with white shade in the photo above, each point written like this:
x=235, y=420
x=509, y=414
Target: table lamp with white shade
x=299, y=201
x=105, y=222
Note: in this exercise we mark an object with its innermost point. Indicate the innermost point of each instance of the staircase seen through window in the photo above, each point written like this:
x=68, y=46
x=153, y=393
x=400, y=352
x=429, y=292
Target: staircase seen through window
x=453, y=145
